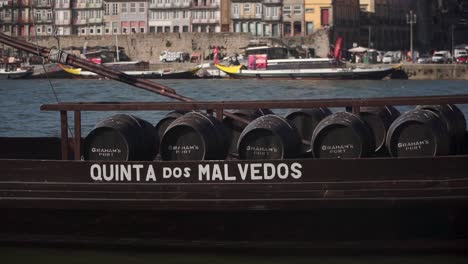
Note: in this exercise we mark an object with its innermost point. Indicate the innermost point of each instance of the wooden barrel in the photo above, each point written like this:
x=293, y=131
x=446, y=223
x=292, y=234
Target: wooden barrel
x=455, y=121
x=194, y=136
x=418, y=133
x=164, y=123
x=269, y=137
x=234, y=128
x=342, y=135
x=121, y=137
x=379, y=120
x=305, y=121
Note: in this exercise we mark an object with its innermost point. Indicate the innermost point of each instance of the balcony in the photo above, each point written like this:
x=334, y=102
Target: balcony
x=207, y=6
x=169, y=5
x=205, y=21
x=272, y=2
x=272, y=18
x=24, y=21
x=63, y=6
x=41, y=4
x=43, y=20
x=88, y=21
x=87, y=6
x=63, y=22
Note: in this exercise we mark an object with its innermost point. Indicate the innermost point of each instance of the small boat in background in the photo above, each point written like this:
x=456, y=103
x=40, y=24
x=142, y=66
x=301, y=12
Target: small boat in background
x=145, y=74
x=10, y=68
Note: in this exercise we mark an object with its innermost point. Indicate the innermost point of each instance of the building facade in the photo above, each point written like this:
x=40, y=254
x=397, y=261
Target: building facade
x=87, y=17
x=169, y=16
x=293, y=18
x=258, y=17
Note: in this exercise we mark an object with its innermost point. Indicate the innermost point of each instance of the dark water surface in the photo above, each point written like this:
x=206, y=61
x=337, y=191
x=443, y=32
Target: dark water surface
x=20, y=116
x=20, y=99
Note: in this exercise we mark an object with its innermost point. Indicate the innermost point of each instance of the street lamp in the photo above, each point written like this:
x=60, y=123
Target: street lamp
x=411, y=20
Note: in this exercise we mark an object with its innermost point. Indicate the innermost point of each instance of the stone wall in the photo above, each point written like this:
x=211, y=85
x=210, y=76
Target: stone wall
x=436, y=71
x=147, y=47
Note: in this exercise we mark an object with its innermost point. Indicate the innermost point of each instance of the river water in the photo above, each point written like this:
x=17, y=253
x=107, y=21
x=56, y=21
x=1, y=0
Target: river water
x=20, y=101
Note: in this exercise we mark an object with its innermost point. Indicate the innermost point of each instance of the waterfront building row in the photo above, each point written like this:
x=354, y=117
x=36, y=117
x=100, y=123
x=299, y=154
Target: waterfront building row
x=374, y=23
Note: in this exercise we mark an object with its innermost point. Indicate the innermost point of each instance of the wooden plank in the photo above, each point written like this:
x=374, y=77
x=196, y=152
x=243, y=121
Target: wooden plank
x=274, y=104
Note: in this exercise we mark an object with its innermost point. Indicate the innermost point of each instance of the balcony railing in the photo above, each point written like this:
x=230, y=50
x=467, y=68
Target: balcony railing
x=88, y=21
x=87, y=6
x=63, y=22
x=169, y=5
x=272, y=1
x=207, y=6
x=272, y=18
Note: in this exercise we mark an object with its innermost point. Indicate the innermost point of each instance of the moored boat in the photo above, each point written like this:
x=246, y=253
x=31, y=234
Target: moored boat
x=334, y=73
x=411, y=200
x=12, y=69
x=145, y=74
x=266, y=62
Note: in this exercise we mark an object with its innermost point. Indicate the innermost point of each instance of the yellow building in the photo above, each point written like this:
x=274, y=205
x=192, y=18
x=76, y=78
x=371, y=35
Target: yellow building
x=341, y=16
x=317, y=15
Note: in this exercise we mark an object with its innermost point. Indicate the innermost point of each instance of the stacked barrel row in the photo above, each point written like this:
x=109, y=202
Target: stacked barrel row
x=427, y=130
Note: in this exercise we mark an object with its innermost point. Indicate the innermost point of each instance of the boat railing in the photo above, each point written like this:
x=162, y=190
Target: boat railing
x=218, y=108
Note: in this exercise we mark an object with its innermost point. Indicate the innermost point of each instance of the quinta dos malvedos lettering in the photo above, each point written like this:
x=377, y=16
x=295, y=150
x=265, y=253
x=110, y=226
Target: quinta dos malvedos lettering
x=208, y=172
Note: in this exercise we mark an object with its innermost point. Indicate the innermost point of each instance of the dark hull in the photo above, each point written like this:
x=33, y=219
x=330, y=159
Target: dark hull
x=15, y=75
x=375, y=75
x=355, y=204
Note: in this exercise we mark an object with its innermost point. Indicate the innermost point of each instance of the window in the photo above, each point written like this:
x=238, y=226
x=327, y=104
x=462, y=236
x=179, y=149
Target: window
x=115, y=9
x=124, y=8
x=142, y=8
x=91, y=31
x=185, y=29
x=235, y=9
x=98, y=30
x=246, y=8
x=98, y=14
x=175, y=14
x=212, y=14
x=38, y=30
x=65, y=15
x=83, y=31
x=176, y=29
x=142, y=30
x=167, y=29
x=287, y=10
x=107, y=30
x=159, y=29
x=258, y=9
x=297, y=10
x=324, y=17
x=106, y=9
x=203, y=14
x=133, y=8
x=310, y=10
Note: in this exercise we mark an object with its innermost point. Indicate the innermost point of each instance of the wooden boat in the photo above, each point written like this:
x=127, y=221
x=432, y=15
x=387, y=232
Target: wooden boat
x=161, y=74
x=14, y=70
x=302, y=72
x=49, y=194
